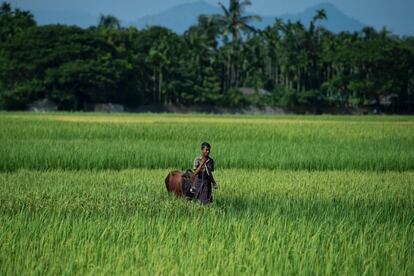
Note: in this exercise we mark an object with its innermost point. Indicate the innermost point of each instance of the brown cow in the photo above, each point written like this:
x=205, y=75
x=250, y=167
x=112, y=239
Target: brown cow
x=180, y=183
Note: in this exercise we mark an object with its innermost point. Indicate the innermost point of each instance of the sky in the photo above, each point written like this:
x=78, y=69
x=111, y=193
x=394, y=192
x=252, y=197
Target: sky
x=395, y=14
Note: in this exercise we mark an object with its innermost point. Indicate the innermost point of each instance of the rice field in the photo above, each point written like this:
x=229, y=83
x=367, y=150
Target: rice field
x=85, y=194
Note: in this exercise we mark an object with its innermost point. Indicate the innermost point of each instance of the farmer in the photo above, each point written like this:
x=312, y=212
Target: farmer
x=204, y=181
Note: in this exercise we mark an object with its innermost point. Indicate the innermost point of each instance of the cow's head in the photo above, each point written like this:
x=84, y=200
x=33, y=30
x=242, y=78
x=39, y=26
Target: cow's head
x=188, y=178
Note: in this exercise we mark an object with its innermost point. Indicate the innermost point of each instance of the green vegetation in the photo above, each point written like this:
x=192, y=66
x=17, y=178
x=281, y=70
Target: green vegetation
x=84, y=194
x=263, y=222
x=301, y=66
x=65, y=141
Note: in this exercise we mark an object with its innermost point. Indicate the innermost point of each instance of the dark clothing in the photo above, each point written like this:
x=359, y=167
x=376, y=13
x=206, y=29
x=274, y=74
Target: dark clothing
x=204, y=191
x=203, y=181
x=208, y=166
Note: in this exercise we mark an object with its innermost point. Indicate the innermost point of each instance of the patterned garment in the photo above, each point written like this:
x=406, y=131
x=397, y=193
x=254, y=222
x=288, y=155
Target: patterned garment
x=203, y=181
x=209, y=165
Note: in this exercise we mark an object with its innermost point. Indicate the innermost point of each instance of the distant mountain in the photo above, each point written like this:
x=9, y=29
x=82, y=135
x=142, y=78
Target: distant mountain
x=179, y=18
x=337, y=21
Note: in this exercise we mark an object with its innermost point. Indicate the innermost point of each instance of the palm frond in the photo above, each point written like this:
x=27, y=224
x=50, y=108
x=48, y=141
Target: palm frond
x=250, y=18
x=226, y=11
x=220, y=19
x=247, y=27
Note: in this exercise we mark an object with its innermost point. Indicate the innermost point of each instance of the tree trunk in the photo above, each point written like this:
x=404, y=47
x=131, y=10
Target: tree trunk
x=160, y=86
x=228, y=78
x=155, y=88
x=277, y=74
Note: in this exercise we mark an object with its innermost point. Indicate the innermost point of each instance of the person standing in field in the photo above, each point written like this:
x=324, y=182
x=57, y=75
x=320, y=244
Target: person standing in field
x=204, y=180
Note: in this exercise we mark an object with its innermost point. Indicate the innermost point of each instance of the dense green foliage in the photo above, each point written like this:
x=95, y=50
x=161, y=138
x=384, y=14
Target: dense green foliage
x=305, y=66
x=85, y=194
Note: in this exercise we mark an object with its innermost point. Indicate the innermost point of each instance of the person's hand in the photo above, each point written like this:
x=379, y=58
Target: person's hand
x=215, y=186
x=203, y=160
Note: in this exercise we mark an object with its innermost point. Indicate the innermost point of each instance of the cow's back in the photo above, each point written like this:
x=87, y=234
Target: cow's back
x=173, y=182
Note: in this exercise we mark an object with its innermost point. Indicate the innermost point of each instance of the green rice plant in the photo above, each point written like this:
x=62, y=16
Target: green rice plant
x=84, y=194
x=261, y=222
x=89, y=141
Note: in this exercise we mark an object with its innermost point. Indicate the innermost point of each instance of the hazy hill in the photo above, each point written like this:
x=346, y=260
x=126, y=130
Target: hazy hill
x=337, y=20
x=180, y=17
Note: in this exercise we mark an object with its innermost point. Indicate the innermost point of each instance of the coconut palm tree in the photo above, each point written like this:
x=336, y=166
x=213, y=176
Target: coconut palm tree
x=5, y=8
x=233, y=23
x=109, y=22
x=320, y=15
x=13, y=21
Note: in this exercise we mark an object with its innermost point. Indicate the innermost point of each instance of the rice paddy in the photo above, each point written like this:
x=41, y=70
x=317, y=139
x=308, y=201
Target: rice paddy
x=85, y=194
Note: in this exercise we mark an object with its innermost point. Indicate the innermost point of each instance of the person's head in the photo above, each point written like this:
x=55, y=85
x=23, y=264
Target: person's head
x=205, y=149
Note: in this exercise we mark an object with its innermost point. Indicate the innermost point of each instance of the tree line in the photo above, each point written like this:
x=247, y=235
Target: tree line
x=306, y=66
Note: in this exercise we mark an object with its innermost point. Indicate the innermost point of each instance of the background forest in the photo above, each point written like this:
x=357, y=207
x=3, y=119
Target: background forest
x=288, y=64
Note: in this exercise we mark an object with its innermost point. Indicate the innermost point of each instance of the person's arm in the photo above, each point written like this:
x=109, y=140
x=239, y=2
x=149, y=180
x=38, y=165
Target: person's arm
x=200, y=166
x=213, y=181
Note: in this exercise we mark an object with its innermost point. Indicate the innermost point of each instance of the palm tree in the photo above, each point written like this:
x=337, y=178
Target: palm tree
x=234, y=22
x=272, y=40
x=158, y=56
x=13, y=21
x=320, y=15
x=109, y=22
x=313, y=50
x=201, y=40
x=5, y=8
